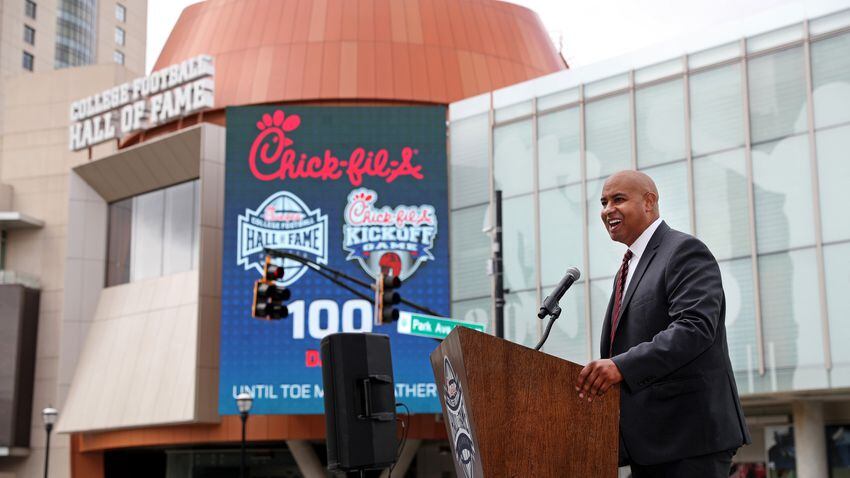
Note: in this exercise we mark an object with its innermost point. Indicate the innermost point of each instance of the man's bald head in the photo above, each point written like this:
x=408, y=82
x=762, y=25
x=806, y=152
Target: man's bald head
x=638, y=181
x=629, y=205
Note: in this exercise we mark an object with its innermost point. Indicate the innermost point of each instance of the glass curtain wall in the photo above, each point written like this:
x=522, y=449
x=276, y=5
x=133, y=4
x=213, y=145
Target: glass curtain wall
x=154, y=234
x=469, y=245
x=76, y=33
x=749, y=145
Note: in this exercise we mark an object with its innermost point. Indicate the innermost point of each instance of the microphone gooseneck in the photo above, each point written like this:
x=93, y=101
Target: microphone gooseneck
x=550, y=305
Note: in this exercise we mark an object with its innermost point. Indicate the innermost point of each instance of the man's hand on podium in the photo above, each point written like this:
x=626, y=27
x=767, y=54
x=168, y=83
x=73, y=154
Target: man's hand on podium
x=596, y=378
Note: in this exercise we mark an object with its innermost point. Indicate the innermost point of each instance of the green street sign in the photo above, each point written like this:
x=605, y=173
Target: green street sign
x=411, y=323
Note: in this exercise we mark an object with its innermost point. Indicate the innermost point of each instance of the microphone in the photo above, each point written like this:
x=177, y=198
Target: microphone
x=550, y=303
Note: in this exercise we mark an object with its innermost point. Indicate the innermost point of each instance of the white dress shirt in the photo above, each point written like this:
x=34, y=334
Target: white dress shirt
x=638, y=247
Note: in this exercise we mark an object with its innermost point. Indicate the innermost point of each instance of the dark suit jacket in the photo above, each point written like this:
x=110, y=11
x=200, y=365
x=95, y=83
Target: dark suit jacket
x=678, y=397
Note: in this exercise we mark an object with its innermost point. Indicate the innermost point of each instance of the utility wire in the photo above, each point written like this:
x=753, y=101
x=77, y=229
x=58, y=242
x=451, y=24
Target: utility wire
x=335, y=276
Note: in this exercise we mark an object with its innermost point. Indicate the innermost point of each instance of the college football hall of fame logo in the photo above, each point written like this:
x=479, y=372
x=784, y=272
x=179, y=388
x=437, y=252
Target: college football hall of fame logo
x=461, y=436
x=394, y=241
x=282, y=222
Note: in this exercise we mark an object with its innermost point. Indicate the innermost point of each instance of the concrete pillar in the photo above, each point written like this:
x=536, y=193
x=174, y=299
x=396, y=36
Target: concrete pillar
x=308, y=462
x=810, y=439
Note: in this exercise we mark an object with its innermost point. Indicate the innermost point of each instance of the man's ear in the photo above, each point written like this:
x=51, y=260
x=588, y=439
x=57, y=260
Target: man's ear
x=650, y=201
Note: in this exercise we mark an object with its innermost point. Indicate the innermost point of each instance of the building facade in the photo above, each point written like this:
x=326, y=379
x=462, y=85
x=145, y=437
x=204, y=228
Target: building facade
x=745, y=133
x=41, y=36
x=50, y=54
x=136, y=310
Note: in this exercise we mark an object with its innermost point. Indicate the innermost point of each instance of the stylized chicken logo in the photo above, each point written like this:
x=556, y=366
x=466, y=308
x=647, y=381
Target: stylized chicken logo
x=275, y=126
x=279, y=124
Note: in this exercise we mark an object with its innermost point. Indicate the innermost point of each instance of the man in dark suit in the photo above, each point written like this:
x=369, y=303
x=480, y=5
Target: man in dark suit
x=664, y=341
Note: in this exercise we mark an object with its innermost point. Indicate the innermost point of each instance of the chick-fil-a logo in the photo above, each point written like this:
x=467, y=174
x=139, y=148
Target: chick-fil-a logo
x=272, y=157
x=361, y=211
x=385, y=239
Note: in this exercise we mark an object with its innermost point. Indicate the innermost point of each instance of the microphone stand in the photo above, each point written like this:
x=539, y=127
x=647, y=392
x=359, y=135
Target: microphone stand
x=553, y=316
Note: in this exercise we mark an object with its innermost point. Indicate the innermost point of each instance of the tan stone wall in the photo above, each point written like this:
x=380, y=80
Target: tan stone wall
x=12, y=42
x=35, y=162
x=150, y=350
x=135, y=33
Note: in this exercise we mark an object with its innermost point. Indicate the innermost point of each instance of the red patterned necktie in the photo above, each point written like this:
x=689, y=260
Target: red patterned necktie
x=618, y=294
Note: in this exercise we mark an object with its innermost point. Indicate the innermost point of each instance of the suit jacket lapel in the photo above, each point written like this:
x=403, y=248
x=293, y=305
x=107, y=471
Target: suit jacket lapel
x=605, y=344
x=643, y=264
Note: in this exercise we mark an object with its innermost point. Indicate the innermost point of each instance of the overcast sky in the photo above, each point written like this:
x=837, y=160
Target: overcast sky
x=590, y=30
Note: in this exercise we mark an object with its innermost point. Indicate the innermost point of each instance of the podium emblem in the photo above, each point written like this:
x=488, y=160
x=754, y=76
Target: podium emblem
x=461, y=435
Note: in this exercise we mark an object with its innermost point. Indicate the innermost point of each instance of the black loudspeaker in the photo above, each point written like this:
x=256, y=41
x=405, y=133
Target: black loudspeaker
x=357, y=373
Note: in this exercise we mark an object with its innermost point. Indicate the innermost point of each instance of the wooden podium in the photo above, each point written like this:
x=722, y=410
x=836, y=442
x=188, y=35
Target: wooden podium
x=512, y=411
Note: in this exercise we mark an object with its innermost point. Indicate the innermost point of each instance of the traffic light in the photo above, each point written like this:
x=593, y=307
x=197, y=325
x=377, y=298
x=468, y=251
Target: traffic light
x=386, y=298
x=269, y=298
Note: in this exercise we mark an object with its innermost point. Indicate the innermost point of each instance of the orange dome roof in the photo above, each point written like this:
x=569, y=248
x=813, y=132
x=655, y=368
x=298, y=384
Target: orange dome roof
x=435, y=51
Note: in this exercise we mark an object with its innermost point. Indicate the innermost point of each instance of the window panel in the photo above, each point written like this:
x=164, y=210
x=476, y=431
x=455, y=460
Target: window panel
x=722, y=213
x=513, y=157
x=560, y=98
x=777, y=95
x=30, y=8
x=521, y=320
x=673, y=201
x=568, y=337
x=831, y=80
x=605, y=254
x=608, y=136
x=833, y=150
x=774, y=38
x=147, y=235
x=783, y=195
x=660, y=116
x=469, y=163
x=837, y=271
x=714, y=55
x=476, y=311
x=470, y=249
x=29, y=35
x=737, y=279
x=518, y=240
x=196, y=239
x=120, y=12
x=118, y=57
x=28, y=61
x=119, y=36
x=558, y=148
x=561, y=236
x=154, y=234
x=507, y=113
x=659, y=70
x=717, y=119
x=179, y=228
x=606, y=85
x=118, y=242
x=791, y=320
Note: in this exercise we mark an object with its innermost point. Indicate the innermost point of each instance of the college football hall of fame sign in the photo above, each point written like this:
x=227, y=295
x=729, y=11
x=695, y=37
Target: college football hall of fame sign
x=362, y=190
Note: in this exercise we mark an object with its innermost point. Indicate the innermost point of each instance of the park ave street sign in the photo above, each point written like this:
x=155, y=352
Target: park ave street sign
x=429, y=326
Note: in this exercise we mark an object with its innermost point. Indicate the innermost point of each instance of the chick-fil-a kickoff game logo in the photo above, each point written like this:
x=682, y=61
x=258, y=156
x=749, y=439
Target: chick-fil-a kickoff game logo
x=273, y=157
x=387, y=240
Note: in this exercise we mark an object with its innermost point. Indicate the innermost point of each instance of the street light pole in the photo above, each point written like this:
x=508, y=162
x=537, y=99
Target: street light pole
x=243, y=403
x=49, y=415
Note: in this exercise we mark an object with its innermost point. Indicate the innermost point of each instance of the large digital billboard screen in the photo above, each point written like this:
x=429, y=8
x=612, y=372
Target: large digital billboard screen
x=358, y=189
